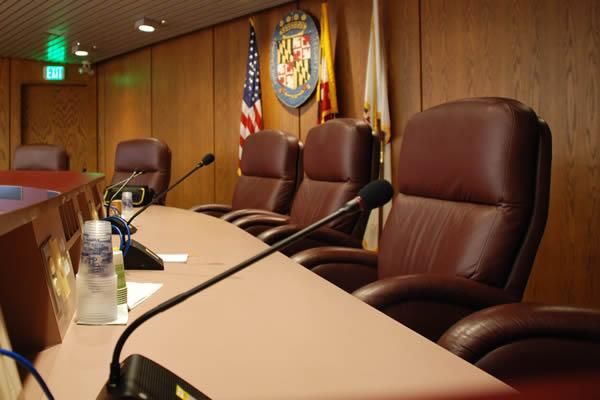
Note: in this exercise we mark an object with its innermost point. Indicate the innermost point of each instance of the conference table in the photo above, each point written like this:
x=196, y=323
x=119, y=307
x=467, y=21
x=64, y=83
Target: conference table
x=273, y=331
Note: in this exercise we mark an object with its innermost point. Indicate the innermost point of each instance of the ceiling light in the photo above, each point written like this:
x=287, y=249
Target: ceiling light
x=146, y=24
x=79, y=50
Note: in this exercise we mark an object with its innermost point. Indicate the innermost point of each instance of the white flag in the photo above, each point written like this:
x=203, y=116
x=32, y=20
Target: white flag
x=377, y=113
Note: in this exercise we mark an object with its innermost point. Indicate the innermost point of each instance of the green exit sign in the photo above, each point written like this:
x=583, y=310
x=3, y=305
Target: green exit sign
x=54, y=73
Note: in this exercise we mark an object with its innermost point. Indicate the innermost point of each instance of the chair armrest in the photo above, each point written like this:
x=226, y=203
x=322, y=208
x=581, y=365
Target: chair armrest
x=323, y=236
x=216, y=210
x=347, y=268
x=233, y=215
x=485, y=331
x=250, y=221
x=428, y=303
x=312, y=258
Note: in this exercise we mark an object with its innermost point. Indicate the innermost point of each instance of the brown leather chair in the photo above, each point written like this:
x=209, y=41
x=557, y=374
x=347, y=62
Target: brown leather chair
x=520, y=342
x=41, y=157
x=340, y=157
x=145, y=154
x=474, y=181
x=270, y=171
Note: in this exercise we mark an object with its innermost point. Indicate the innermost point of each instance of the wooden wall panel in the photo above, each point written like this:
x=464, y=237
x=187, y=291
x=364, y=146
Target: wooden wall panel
x=102, y=150
x=231, y=52
x=351, y=49
x=24, y=73
x=4, y=113
x=125, y=101
x=546, y=54
x=182, y=112
x=275, y=115
x=402, y=37
x=61, y=114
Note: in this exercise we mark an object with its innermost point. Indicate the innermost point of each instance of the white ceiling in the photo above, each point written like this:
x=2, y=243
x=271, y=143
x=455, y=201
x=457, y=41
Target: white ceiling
x=47, y=29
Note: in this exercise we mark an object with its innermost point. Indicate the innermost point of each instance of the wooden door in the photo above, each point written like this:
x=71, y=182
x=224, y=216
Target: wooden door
x=61, y=114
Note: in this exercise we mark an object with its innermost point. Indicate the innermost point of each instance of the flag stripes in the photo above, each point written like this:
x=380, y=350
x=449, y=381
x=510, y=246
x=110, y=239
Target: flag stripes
x=251, y=118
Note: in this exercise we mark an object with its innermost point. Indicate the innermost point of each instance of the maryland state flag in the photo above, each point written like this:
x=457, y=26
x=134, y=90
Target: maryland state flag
x=326, y=94
x=377, y=113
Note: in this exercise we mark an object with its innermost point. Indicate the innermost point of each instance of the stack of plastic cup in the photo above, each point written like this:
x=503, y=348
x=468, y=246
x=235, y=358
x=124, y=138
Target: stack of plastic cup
x=96, y=279
x=127, y=205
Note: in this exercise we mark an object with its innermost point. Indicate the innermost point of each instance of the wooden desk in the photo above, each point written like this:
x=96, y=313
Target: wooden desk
x=275, y=331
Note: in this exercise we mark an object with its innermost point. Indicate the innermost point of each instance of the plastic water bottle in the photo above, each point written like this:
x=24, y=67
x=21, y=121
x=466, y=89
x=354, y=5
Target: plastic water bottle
x=127, y=205
x=96, y=279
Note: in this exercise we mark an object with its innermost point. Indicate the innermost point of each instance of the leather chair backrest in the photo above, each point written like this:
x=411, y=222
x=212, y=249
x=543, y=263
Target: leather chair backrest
x=41, y=157
x=144, y=154
x=474, y=179
x=338, y=162
x=515, y=342
x=269, y=166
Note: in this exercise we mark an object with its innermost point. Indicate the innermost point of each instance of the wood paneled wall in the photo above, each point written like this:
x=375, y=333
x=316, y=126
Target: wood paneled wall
x=4, y=113
x=183, y=111
x=124, y=104
x=542, y=52
x=66, y=119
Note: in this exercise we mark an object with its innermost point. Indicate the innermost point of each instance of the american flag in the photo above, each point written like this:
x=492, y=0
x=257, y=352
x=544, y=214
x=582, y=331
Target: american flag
x=251, y=120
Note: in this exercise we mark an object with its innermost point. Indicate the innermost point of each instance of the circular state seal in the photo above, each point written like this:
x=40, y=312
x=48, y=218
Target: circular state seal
x=294, y=63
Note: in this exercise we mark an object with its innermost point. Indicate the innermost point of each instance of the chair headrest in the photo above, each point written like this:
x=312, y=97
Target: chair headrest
x=450, y=152
x=41, y=157
x=143, y=154
x=347, y=144
x=270, y=154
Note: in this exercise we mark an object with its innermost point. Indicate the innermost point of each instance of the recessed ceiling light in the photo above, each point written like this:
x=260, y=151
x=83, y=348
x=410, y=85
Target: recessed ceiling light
x=79, y=50
x=146, y=24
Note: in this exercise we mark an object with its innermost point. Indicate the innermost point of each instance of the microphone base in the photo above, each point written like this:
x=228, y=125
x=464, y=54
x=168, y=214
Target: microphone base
x=144, y=379
x=140, y=257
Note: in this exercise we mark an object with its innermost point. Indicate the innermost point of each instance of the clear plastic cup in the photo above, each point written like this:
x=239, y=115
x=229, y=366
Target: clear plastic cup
x=97, y=299
x=96, y=279
x=127, y=205
x=96, y=251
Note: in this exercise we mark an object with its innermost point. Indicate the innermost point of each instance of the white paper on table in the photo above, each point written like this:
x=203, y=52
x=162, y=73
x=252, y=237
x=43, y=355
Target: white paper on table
x=138, y=292
x=122, y=317
x=174, y=258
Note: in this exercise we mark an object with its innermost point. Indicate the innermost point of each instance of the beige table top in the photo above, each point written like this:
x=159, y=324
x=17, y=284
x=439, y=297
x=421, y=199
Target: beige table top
x=273, y=331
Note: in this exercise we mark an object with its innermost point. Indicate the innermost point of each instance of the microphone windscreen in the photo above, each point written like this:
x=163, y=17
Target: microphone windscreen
x=375, y=194
x=208, y=159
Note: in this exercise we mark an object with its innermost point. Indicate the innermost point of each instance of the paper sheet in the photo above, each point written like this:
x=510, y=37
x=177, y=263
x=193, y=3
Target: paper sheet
x=174, y=258
x=138, y=292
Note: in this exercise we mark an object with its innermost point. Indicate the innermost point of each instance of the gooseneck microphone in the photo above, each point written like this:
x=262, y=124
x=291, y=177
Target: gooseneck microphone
x=206, y=160
x=139, y=256
x=139, y=377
